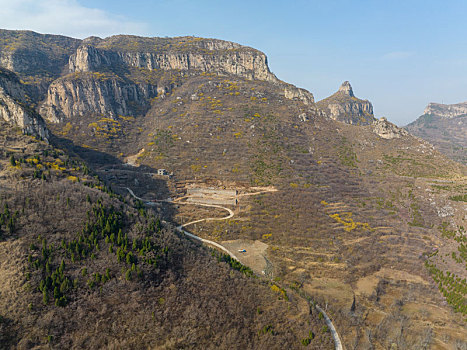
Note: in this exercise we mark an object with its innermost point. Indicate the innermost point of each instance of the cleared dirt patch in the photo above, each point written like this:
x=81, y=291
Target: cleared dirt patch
x=253, y=257
x=398, y=275
x=333, y=288
x=367, y=285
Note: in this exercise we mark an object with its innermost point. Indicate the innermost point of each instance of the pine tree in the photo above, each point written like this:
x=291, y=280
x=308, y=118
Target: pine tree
x=62, y=267
x=45, y=296
x=128, y=275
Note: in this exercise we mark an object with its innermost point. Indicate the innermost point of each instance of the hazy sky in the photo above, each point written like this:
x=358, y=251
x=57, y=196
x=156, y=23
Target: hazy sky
x=400, y=55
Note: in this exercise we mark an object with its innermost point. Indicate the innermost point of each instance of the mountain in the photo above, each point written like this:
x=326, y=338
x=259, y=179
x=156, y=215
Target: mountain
x=343, y=106
x=445, y=126
x=344, y=212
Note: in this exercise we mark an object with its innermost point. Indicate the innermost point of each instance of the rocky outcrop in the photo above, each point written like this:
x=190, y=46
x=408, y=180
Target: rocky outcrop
x=346, y=89
x=387, y=130
x=343, y=106
x=35, y=58
x=14, y=108
x=446, y=111
x=294, y=93
x=204, y=55
x=87, y=59
x=218, y=57
x=96, y=94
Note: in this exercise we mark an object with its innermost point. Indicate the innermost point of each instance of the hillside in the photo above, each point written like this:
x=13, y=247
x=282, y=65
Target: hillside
x=445, y=126
x=71, y=250
x=348, y=212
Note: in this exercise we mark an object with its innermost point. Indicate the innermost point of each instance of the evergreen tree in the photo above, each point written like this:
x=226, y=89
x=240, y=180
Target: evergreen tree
x=45, y=296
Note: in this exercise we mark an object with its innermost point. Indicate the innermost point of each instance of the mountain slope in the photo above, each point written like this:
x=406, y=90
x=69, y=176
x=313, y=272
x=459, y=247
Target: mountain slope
x=445, y=126
x=81, y=267
x=349, y=217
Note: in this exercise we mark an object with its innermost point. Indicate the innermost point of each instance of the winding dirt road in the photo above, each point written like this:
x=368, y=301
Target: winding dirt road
x=180, y=228
x=332, y=329
x=207, y=241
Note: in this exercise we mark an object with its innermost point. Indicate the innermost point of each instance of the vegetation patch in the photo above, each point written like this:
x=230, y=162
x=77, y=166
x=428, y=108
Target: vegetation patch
x=459, y=198
x=235, y=264
x=347, y=221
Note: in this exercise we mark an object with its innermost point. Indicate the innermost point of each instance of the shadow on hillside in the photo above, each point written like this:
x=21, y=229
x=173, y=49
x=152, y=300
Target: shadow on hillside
x=119, y=176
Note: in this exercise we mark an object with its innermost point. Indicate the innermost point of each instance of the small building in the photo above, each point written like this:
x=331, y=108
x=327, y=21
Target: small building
x=162, y=172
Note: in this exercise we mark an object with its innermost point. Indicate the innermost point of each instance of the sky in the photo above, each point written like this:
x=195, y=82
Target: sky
x=400, y=55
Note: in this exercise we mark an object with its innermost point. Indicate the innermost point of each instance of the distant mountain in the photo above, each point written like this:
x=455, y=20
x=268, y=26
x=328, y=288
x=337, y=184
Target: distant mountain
x=343, y=106
x=445, y=126
x=446, y=111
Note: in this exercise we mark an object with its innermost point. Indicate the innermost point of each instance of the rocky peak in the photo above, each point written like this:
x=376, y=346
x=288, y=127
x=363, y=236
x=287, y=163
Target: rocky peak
x=346, y=88
x=343, y=106
x=445, y=126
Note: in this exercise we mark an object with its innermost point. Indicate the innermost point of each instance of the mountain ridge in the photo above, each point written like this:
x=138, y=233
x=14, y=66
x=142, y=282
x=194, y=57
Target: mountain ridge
x=445, y=110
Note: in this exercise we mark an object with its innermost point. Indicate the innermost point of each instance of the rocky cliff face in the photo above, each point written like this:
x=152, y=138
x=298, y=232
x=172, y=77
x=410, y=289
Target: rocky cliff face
x=100, y=94
x=14, y=106
x=36, y=58
x=81, y=93
x=42, y=60
x=345, y=107
x=212, y=56
x=446, y=111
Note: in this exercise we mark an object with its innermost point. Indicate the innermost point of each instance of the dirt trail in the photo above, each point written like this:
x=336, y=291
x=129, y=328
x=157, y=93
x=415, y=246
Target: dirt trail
x=180, y=227
x=335, y=336
x=207, y=241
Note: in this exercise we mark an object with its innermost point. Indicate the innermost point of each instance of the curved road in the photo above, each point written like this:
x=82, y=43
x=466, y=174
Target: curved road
x=334, y=334
x=180, y=227
x=207, y=241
